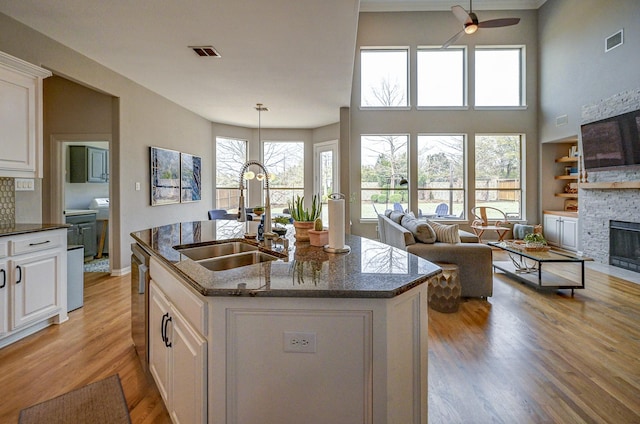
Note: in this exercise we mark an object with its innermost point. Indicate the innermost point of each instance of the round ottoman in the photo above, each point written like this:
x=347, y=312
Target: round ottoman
x=445, y=289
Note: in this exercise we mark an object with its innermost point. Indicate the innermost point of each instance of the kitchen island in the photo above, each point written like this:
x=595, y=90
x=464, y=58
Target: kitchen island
x=310, y=337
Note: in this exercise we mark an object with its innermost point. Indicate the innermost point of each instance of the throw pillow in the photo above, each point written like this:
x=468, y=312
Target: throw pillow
x=445, y=233
x=396, y=217
x=421, y=230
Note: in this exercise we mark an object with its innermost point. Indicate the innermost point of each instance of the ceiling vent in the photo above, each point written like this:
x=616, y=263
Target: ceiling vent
x=208, y=51
x=614, y=41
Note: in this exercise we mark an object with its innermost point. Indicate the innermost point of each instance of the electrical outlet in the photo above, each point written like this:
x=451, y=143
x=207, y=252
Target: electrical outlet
x=299, y=342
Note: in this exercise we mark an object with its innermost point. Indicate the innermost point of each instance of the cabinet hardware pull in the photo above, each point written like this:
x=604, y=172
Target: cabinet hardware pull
x=4, y=278
x=38, y=244
x=167, y=343
x=19, y=268
x=163, y=328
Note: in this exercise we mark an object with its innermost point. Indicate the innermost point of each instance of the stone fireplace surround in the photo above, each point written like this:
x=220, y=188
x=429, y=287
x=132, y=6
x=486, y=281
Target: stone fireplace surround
x=599, y=206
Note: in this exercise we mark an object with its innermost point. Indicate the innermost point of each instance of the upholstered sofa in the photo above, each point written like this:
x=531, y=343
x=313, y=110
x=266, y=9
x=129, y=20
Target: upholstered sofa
x=473, y=259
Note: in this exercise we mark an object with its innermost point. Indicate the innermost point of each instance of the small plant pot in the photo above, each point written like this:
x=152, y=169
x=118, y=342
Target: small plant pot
x=302, y=229
x=318, y=238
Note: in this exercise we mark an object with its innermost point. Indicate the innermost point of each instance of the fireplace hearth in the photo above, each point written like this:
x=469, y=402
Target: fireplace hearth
x=624, y=245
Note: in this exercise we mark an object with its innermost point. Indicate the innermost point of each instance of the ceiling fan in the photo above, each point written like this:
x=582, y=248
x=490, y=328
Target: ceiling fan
x=471, y=24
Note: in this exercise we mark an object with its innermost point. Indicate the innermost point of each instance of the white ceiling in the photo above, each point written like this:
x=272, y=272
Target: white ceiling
x=295, y=56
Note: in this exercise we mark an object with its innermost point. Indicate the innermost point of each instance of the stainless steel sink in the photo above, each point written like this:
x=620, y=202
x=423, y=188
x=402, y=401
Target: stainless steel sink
x=211, y=251
x=236, y=260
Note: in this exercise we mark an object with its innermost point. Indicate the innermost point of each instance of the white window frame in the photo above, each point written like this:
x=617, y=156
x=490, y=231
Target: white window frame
x=523, y=77
x=406, y=49
x=465, y=78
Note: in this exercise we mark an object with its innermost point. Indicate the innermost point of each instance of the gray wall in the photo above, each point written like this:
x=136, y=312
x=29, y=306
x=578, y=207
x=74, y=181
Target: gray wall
x=574, y=69
x=140, y=118
x=432, y=29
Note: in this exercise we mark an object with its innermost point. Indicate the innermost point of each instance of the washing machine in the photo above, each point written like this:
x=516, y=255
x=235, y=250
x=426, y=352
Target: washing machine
x=101, y=204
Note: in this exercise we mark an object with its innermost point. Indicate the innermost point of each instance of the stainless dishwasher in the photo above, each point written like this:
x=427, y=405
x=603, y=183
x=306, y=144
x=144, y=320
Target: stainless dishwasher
x=140, y=302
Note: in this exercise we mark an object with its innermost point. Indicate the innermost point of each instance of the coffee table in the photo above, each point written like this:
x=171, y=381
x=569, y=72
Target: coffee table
x=526, y=266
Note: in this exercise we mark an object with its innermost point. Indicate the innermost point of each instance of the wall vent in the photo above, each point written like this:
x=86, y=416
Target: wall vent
x=614, y=41
x=205, y=51
x=562, y=120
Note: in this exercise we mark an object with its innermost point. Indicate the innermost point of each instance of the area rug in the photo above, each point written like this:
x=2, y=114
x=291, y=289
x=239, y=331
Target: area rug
x=99, y=402
x=97, y=265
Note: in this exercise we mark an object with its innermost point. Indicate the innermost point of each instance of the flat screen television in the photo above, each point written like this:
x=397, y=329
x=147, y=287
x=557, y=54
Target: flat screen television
x=612, y=142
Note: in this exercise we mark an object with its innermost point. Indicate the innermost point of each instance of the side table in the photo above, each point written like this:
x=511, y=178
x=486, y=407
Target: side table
x=445, y=289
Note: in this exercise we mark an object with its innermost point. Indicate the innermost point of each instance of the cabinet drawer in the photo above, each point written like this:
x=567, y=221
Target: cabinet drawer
x=4, y=250
x=33, y=243
x=187, y=303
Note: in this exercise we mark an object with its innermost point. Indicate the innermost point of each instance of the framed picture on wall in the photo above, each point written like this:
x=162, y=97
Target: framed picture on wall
x=165, y=176
x=190, y=182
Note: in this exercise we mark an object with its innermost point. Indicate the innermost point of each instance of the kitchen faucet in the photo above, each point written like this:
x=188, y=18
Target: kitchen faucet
x=242, y=216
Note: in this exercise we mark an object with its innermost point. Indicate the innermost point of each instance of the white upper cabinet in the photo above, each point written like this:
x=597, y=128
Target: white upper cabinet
x=20, y=117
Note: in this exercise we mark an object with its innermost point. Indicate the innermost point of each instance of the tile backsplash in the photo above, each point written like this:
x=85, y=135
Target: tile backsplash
x=7, y=202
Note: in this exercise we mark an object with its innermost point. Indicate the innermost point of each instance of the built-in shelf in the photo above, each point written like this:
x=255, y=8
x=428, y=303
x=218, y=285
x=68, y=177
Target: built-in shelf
x=567, y=195
x=566, y=177
x=567, y=159
x=611, y=185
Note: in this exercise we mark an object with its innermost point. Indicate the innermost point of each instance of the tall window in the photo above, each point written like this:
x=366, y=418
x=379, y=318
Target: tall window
x=384, y=78
x=230, y=156
x=499, y=173
x=285, y=160
x=441, y=176
x=499, y=76
x=383, y=171
x=441, y=77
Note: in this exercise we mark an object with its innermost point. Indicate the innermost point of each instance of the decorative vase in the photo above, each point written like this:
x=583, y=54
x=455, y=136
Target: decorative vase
x=302, y=229
x=318, y=238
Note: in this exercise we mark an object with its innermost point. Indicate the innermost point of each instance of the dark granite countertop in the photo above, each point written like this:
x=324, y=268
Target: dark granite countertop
x=16, y=229
x=370, y=270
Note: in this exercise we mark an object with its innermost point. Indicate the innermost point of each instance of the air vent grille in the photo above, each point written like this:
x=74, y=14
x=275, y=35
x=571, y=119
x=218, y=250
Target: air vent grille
x=614, y=41
x=205, y=51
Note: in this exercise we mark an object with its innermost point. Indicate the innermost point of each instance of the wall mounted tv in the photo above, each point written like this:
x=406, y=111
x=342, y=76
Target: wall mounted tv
x=612, y=142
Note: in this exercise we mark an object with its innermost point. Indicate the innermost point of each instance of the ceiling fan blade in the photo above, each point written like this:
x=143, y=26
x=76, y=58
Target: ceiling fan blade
x=452, y=40
x=496, y=23
x=461, y=14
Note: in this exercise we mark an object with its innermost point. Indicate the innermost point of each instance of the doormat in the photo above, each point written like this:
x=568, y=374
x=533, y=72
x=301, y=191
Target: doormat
x=97, y=265
x=99, y=402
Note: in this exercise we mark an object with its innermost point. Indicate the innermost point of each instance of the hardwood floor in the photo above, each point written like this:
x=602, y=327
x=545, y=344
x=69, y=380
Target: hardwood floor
x=523, y=356
x=95, y=343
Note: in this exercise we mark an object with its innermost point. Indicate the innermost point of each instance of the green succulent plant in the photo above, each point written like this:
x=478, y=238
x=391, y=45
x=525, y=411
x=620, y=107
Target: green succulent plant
x=318, y=225
x=535, y=238
x=300, y=213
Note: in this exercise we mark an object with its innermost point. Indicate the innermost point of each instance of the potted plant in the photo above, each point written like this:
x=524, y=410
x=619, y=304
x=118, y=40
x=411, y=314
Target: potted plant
x=303, y=218
x=280, y=225
x=535, y=241
x=318, y=236
x=258, y=210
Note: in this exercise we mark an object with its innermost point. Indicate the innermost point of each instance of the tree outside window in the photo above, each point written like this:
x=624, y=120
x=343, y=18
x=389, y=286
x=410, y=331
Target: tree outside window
x=383, y=166
x=285, y=160
x=384, y=78
x=441, y=176
x=499, y=173
x=231, y=154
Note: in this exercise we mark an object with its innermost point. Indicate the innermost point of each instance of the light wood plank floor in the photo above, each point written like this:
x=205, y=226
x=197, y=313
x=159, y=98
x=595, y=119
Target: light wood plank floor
x=521, y=357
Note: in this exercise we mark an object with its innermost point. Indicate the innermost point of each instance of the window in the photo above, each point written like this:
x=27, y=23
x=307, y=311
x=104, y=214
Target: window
x=285, y=160
x=384, y=78
x=441, y=77
x=231, y=154
x=499, y=77
x=441, y=176
x=499, y=173
x=383, y=163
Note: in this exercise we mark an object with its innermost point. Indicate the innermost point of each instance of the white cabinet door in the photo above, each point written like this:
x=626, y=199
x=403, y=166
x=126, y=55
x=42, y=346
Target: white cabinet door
x=20, y=117
x=188, y=364
x=35, y=280
x=552, y=229
x=569, y=234
x=4, y=297
x=158, y=352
